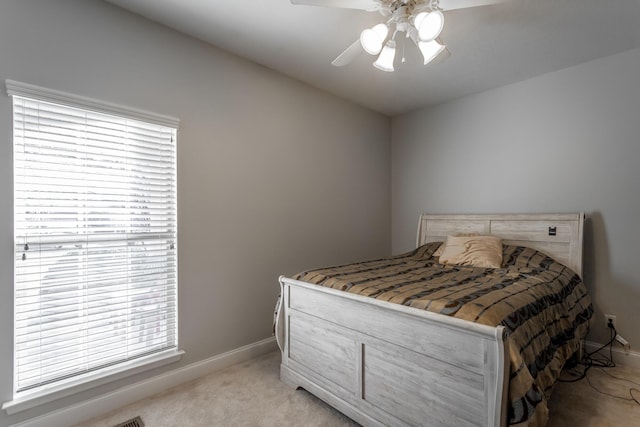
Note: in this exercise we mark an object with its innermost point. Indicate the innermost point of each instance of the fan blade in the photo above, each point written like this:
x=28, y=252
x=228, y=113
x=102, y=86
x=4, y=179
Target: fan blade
x=370, y=5
x=348, y=55
x=443, y=56
x=462, y=4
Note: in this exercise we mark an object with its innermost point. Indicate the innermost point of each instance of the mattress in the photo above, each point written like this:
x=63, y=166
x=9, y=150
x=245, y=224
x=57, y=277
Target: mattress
x=543, y=305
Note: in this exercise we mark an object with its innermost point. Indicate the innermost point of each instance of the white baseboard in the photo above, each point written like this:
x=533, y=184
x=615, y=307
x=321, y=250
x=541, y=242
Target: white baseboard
x=631, y=359
x=108, y=402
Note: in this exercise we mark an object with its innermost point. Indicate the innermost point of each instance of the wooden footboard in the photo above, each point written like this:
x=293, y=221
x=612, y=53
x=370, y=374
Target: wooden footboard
x=386, y=364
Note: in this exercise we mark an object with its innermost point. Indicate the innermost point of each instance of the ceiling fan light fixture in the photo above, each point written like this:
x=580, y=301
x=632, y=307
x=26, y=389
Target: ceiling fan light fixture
x=429, y=25
x=386, y=58
x=422, y=21
x=372, y=38
x=430, y=50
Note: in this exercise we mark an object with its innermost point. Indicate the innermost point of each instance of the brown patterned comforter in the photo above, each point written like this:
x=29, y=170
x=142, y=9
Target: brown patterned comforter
x=543, y=305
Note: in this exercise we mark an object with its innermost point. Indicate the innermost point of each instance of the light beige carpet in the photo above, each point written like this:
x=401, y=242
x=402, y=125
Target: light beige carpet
x=579, y=404
x=251, y=394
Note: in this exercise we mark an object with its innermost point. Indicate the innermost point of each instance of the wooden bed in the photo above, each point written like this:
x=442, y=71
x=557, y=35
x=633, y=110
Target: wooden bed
x=445, y=372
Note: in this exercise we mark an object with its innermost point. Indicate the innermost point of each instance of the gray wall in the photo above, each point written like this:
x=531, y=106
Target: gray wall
x=567, y=141
x=274, y=176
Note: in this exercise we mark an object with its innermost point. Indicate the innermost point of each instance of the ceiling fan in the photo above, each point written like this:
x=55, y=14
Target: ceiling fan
x=421, y=21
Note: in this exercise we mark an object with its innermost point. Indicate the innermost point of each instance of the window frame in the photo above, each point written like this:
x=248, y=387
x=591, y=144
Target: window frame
x=46, y=393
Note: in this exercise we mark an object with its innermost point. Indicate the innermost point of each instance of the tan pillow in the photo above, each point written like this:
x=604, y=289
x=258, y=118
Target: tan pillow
x=476, y=251
x=440, y=249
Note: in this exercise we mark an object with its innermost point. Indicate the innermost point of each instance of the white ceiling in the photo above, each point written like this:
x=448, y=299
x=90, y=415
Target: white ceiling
x=490, y=46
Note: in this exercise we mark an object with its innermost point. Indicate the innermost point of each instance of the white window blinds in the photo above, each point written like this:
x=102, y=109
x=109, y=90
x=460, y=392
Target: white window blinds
x=95, y=240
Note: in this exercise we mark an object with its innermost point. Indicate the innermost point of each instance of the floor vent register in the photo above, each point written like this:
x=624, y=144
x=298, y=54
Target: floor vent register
x=133, y=422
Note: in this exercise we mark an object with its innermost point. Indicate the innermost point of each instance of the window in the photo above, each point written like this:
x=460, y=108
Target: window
x=95, y=236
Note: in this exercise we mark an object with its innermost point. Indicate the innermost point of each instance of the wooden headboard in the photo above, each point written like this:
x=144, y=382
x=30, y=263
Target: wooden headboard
x=557, y=235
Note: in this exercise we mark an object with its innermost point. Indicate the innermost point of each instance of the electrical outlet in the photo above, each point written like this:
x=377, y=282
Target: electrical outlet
x=609, y=317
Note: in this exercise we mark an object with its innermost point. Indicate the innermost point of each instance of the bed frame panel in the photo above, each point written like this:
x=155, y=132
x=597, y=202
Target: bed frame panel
x=446, y=371
x=557, y=235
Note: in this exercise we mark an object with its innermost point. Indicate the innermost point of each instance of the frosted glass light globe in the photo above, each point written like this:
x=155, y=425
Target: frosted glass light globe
x=372, y=38
x=429, y=25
